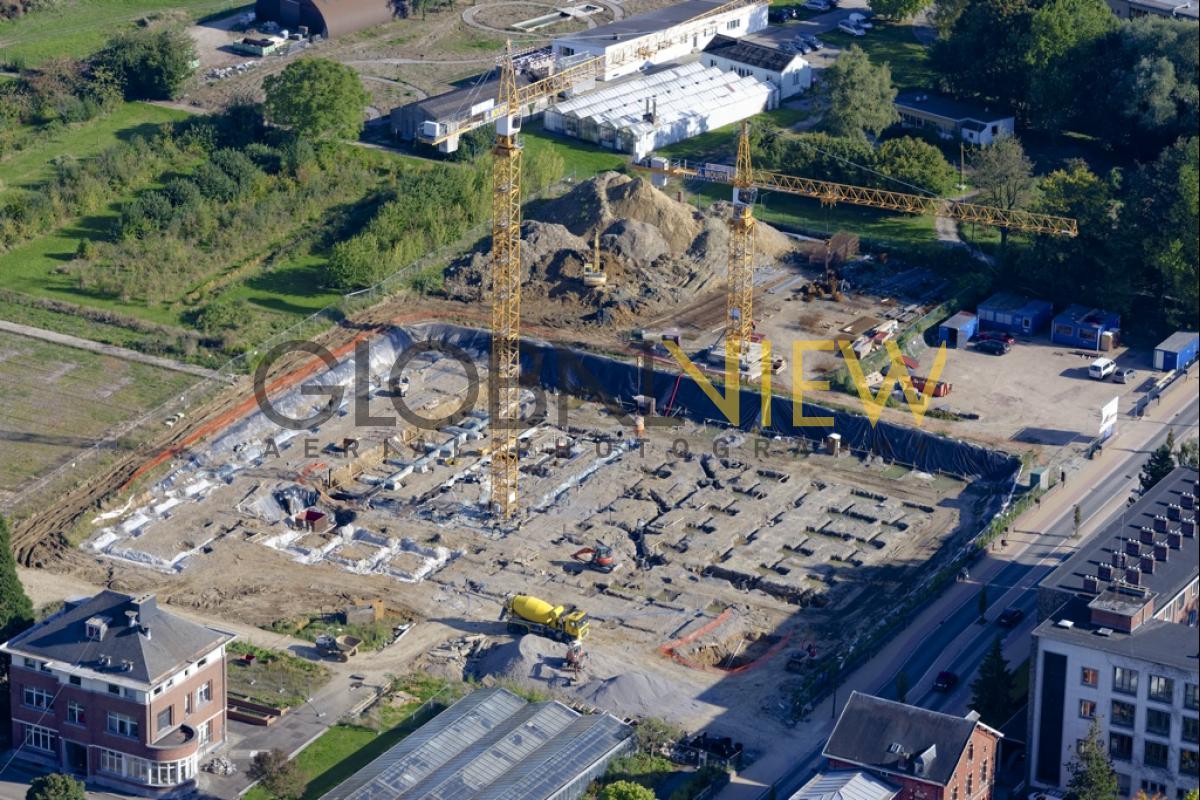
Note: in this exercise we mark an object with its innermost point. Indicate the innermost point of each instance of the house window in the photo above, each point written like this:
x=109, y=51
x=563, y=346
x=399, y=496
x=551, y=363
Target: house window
x=205, y=732
x=122, y=725
x=165, y=718
x=1189, y=762
x=39, y=738
x=1089, y=677
x=187, y=703
x=204, y=694
x=1156, y=754
x=202, y=662
x=75, y=680
x=1087, y=709
x=954, y=793
x=114, y=689
x=970, y=755
x=38, y=698
x=1158, y=721
x=970, y=784
x=75, y=714
x=983, y=771
x=1123, y=714
x=1154, y=789
x=112, y=762
x=30, y=663
x=733, y=24
x=1191, y=696
x=1162, y=690
x=1120, y=746
x=1191, y=729
x=1125, y=680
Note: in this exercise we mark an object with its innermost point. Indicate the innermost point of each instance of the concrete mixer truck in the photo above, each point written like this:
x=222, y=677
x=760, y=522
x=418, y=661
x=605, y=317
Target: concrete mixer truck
x=526, y=614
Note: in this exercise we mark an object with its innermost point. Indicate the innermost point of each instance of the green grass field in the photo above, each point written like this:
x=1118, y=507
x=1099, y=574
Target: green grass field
x=77, y=28
x=720, y=144
x=57, y=400
x=895, y=45
x=581, y=158
x=34, y=165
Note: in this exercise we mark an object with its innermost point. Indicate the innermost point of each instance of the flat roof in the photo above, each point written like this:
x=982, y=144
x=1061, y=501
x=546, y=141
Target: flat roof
x=1189, y=9
x=1178, y=340
x=490, y=745
x=1011, y=301
x=960, y=320
x=1172, y=644
x=644, y=24
x=1170, y=576
x=948, y=108
x=1087, y=315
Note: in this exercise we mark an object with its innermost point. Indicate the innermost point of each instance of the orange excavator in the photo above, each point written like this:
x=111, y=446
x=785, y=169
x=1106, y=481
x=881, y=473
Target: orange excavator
x=600, y=557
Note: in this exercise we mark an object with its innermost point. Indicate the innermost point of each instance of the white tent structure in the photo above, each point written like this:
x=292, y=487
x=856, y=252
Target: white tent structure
x=642, y=115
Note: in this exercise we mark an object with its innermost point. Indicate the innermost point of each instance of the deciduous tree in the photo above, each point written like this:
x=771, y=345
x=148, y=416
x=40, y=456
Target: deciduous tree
x=915, y=162
x=317, y=98
x=277, y=774
x=899, y=9
x=148, y=64
x=55, y=786
x=626, y=790
x=859, y=95
x=1004, y=174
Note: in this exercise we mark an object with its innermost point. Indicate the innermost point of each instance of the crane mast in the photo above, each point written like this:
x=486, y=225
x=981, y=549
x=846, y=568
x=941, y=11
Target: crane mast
x=739, y=322
x=505, y=365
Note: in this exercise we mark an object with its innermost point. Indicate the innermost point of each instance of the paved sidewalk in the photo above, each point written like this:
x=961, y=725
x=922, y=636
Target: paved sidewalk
x=809, y=738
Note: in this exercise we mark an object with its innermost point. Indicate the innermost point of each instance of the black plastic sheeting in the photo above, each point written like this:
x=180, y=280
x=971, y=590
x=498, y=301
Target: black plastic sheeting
x=575, y=372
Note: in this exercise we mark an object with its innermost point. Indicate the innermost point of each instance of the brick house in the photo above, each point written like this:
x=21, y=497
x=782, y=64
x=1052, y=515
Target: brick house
x=925, y=754
x=116, y=690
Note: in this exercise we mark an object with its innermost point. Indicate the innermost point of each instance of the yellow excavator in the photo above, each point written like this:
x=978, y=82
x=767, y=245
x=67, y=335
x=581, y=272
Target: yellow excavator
x=528, y=614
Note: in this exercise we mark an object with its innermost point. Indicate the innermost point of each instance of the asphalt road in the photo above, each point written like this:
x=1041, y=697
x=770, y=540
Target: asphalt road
x=1013, y=585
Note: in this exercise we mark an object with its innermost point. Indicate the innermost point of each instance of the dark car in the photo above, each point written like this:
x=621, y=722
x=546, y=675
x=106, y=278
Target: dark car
x=995, y=336
x=993, y=347
x=945, y=681
x=1011, y=617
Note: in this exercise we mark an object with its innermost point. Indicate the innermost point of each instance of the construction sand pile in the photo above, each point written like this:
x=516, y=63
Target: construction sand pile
x=658, y=252
x=611, y=684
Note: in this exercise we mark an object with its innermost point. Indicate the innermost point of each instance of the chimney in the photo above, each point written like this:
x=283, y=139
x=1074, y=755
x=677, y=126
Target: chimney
x=1174, y=512
x=1174, y=540
x=1090, y=585
x=146, y=632
x=1119, y=560
x=1132, y=576
x=1188, y=500
x=1160, y=552
x=1132, y=548
x=1147, y=535
x=1160, y=523
x=1147, y=565
x=1106, y=572
x=133, y=617
x=1188, y=528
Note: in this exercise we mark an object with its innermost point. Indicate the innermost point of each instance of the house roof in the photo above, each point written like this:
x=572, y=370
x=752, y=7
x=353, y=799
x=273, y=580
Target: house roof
x=158, y=645
x=963, y=319
x=1012, y=302
x=752, y=54
x=1156, y=642
x=953, y=110
x=845, y=785
x=1109, y=546
x=645, y=24
x=893, y=737
x=490, y=745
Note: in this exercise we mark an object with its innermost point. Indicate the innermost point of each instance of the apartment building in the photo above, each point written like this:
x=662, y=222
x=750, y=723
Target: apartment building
x=922, y=754
x=1118, y=645
x=116, y=690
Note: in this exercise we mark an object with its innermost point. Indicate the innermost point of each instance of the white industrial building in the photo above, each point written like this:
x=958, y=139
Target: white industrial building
x=663, y=35
x=788, y=72
x=641, y=115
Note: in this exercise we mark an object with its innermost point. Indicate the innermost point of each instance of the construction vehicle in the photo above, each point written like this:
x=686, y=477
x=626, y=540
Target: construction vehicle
x=341, y=647
x=594, y=274
x=600, y=557
x=528, y=614
x=576, y=658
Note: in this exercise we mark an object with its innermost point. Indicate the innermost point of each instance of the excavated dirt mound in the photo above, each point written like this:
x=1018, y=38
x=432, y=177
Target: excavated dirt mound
x=658, y=253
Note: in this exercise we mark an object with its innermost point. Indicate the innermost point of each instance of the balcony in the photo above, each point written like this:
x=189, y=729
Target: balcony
x=179, y=742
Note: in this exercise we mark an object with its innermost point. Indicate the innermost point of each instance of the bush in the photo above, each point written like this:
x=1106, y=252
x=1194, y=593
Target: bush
x=55, y=786
x=626, y=790
x=283, y=778
x=148, y=65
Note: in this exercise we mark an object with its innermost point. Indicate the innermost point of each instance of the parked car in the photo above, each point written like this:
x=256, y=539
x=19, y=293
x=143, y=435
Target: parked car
x=815, y=43
x=845, y=26
x=1101, y=368
x=997, y=336
x=861, y=20
x=945, y=681
x=817, y=5
x=1125, y=375
x=1010, y=617
x=993, y=347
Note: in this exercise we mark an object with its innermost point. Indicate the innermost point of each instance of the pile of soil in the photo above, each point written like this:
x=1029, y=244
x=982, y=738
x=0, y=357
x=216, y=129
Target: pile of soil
x=658, y=253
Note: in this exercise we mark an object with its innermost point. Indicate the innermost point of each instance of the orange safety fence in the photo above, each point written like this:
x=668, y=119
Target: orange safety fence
x=671, y=648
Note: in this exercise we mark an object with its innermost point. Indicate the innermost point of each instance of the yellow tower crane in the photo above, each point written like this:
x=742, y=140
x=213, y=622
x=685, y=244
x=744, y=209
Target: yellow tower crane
x=739, y=316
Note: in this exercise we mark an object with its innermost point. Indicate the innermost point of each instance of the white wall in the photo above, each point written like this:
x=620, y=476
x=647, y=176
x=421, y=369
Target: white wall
x=796, y=78
x=670, y=44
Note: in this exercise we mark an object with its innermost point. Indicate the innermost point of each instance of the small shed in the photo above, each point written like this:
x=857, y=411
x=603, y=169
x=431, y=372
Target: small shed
x=958, y=330
x=1177, y=351
x=1014, y=313
x=1081, y=326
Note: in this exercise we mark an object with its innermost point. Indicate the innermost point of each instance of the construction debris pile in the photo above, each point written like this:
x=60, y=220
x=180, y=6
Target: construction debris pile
x=658, y=253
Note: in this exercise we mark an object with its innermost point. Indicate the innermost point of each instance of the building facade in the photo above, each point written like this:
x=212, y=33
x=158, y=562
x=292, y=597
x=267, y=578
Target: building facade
x=1014, y=313
x=789, y=73
x=951, y=119
x=1118, y=646
x=663, y=35
x=927, y=755
x=118, y=691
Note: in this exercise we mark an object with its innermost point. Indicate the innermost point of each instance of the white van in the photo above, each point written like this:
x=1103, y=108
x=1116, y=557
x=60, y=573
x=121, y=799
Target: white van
x=1101, y=368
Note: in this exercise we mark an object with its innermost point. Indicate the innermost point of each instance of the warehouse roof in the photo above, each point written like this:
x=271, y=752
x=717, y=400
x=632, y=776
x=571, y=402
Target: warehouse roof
x=347, y=16
x=137, y=640
x=947, y=108
x=645, y=24
x=845, y=785
x=895, y=737
x=752, y=54
x=490, y=745
x=1170, y=576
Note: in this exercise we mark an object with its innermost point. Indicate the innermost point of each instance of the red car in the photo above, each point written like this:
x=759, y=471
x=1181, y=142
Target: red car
x=995, y=336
